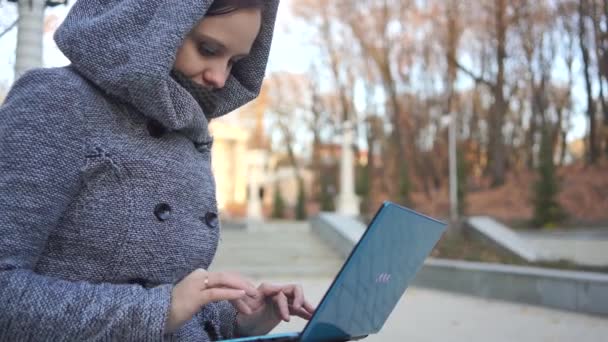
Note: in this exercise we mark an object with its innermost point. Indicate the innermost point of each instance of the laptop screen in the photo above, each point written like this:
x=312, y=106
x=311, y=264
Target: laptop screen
x=375, y=275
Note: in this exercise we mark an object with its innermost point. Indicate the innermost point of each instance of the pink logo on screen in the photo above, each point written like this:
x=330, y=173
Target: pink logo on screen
x=383, y=278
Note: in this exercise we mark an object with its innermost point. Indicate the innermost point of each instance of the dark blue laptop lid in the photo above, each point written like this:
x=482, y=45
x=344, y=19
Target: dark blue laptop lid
x=375, y=275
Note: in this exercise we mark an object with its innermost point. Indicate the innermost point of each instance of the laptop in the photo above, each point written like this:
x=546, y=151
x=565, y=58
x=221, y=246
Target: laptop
x=372, y=280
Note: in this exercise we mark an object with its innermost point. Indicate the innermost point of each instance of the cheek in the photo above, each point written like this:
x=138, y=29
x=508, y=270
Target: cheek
x=187, y=60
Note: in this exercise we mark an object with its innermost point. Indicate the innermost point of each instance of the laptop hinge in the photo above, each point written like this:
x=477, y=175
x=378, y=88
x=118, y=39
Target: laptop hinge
x=358, y=338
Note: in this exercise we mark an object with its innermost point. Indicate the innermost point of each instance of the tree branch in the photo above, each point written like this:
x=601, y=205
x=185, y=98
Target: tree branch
x=476, y=78
x=10, y=27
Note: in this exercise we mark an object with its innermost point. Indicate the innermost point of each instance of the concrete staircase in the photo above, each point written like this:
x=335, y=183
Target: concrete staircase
x=274, y=250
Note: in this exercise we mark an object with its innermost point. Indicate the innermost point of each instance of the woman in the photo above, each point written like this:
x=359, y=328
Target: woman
x=109, y=213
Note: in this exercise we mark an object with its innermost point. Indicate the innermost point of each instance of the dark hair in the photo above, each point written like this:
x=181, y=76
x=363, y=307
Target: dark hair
x=219, y=7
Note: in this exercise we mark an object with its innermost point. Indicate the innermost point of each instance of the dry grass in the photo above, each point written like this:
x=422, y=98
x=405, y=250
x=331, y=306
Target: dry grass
x=584, y=197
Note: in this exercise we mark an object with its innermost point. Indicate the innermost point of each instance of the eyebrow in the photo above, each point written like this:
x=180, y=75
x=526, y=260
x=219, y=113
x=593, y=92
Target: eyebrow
x=220, y=45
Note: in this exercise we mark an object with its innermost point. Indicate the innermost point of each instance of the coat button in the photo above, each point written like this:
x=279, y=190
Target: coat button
x=211, y=219
x=162, y=211
x=156, y=129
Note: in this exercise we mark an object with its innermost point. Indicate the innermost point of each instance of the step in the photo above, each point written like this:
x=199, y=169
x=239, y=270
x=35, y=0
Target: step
x=290, y=252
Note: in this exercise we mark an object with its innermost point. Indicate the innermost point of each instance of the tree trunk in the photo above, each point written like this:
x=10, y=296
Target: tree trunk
x=316, y=165
x=592, y=152
x=372, y=139
x=315, y=126
x=564, y=147
x=497, y=158
x=289, y=137
x=600, y=15
x=403, y=146
x=604, y=63
x=29, y=36
x=531, y=134
x=600, y=54
x=400, y=134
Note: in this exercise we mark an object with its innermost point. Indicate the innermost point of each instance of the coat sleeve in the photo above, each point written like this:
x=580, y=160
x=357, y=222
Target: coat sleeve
x=227, y=318
x=41, y=152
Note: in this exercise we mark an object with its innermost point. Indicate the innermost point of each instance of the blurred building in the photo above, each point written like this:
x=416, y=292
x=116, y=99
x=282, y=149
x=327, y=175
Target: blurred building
x=576, y=149
x=228, y=160
x=244, y=165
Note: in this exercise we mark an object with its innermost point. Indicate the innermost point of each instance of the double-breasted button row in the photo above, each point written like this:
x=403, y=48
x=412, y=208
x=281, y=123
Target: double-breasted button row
x=163, y=212
x=210, y=219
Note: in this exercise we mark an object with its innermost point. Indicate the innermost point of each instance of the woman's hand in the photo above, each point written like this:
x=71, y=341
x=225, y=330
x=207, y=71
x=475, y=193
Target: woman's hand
x=259, y=314
x=200, y=288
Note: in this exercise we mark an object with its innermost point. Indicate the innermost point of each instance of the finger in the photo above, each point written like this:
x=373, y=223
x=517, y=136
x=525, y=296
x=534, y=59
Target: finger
x=297, y=295
x=217, y=294
x=309, y=307
x=241, y=306
x=230, y=280
x=301, y=312
x=282, y=306
x=251, y=284
x=269, y=290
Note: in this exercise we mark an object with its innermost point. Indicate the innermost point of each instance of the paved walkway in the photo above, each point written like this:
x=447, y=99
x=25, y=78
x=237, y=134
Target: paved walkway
x=429, y=315
x=421, y=315
x=265, y=252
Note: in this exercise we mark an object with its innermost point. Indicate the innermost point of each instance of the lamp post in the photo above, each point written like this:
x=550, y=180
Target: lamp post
x=348, y=202
x=30, y=31
x=453, y=169
x=451, y=121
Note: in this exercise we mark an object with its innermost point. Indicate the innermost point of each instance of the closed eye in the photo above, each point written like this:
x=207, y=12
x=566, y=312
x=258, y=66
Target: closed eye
x=209, y=49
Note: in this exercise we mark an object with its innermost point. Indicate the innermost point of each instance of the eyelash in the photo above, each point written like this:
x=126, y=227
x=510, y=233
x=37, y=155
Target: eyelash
x=207, y=51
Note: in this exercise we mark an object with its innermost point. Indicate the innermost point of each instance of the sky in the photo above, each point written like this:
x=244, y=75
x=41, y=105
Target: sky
x=291, y=50
x=288, y=54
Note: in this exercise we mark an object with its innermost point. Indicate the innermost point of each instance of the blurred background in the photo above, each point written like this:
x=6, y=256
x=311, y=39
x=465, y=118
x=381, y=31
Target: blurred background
x=522, y=84
x=491, y=115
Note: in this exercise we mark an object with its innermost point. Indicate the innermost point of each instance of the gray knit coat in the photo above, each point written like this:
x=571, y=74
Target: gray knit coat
x=107, y=198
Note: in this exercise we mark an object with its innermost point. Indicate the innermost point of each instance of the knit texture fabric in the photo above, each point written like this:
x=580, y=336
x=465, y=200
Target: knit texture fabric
x=207, y=99
x=106, y=188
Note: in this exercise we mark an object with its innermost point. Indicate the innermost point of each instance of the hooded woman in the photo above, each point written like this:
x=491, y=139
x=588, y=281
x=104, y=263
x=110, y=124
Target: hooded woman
x=109, y=217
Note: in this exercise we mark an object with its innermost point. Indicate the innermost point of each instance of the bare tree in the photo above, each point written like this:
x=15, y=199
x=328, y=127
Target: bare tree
x=288, y=108
x=535, y=32
x=501, y=19
x=370, y=24
x=584, y=41
x=599, y=17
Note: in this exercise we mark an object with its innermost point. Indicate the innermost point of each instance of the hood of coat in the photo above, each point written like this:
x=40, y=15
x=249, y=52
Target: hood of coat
x=128, y=49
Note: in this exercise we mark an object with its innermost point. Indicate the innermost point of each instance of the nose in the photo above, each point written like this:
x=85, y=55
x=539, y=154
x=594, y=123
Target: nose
x=215, y=76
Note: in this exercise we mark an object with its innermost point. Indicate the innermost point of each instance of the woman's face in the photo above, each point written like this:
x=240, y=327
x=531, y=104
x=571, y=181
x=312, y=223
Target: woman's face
x=215, y=44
